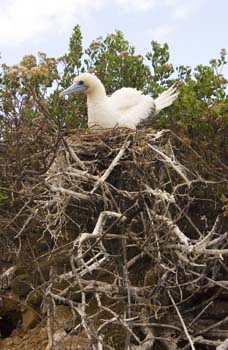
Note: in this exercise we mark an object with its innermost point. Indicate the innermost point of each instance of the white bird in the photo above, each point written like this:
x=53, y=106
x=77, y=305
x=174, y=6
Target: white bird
x=126, y=107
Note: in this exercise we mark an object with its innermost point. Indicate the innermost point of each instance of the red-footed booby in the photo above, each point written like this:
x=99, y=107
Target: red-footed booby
x=126, y=107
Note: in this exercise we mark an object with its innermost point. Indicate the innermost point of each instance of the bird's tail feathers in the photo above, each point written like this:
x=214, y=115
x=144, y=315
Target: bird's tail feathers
x=166, y=98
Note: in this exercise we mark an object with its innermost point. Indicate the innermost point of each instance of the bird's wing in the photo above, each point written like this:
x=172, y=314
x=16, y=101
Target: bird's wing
x=132, y=109
x=132, y=106
x=125, y=98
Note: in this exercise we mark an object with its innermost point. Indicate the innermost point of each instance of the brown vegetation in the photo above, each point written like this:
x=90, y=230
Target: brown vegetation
x=113, y=240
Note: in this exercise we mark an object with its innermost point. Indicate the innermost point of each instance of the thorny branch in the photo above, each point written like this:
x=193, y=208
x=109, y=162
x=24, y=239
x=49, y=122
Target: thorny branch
x=131, y=254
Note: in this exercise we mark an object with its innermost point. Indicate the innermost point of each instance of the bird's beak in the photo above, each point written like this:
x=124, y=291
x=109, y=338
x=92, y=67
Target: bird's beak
x=73, y=88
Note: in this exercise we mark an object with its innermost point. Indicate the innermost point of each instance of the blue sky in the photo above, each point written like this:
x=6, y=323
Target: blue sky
x=196, y=30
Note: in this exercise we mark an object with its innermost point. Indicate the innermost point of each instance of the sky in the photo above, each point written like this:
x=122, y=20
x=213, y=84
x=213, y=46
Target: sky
x=196, y=30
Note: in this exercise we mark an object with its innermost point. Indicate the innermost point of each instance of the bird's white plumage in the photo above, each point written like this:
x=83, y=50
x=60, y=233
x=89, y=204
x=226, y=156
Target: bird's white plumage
x=126, y=98
x=126, y=107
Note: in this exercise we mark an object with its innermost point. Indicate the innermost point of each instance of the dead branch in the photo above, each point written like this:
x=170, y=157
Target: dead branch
x=223, y=346
x=99, y=227
x=182, y=321
x=116, y=238
x=174, y=164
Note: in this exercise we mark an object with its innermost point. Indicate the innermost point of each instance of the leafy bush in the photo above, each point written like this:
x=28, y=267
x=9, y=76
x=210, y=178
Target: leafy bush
x=29, y=91
x=32, y=87
x=163, y=220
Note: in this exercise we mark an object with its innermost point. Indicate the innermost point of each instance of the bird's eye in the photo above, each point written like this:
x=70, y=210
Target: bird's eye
x=81, y=82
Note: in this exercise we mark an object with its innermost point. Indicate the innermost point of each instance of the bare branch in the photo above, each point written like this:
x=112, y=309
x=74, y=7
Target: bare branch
x=182, y=321
x=173, y=164
x=111, y=166
x=223, y=346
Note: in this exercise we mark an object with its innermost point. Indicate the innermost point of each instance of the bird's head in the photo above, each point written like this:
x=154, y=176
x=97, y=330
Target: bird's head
x=85, y=82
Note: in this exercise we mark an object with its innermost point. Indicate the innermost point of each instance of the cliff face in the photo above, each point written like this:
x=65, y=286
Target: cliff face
x=120, y=243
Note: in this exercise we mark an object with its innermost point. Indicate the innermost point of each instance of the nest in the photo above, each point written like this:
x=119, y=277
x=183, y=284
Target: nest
x=129, y=239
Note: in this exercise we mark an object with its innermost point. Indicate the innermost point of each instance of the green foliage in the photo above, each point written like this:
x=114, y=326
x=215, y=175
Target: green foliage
x=33, y=115
x=31, y=88
x=162, y=69
x=115, y=62
x=72, y=61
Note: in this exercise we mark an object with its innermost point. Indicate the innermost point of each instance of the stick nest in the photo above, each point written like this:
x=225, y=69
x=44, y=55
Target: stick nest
x=126, y=231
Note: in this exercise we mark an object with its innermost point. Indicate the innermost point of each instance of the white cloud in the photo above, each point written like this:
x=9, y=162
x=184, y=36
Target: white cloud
x=27, y=20
x=137, y=5
x=22, y=20
x=181, y=8
x=160, y=33
x=178, y=10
